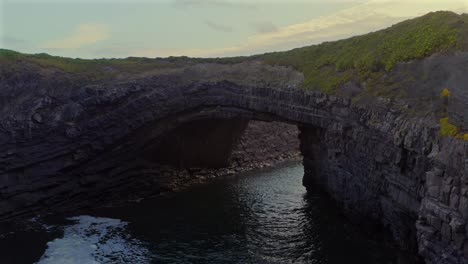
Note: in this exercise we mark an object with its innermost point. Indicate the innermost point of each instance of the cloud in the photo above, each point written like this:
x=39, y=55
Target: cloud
x=7, y=41
x=201, y=3
x=155, y=52
x=84, y=34
x=11, y=40
x=359, y=19
x=218, y=27
x=264, y=27
x=212, y=3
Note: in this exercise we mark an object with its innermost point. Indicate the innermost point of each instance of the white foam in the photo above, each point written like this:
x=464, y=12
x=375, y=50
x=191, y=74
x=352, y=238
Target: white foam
x=95, y=240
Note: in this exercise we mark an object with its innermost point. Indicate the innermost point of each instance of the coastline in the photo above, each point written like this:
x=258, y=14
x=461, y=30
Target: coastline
x=263, y=145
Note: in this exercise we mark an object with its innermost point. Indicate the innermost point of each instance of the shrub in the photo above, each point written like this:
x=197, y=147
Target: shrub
x=445, y=93
x=323, y=65
x=447, y=128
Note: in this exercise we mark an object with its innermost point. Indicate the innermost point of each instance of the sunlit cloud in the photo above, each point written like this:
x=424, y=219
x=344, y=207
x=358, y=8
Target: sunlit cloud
x=212, y=3
x=84, y=34
x=264, y=27
x=218, y=26
x=360, y=19
x=157, y=52
x=150, y=37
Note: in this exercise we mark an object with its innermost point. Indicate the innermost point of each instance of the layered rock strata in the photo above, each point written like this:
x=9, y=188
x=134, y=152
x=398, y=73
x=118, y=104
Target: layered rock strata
x=68, y=140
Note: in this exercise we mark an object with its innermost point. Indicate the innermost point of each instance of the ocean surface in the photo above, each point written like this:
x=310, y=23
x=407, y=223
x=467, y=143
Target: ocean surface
x=264, y=216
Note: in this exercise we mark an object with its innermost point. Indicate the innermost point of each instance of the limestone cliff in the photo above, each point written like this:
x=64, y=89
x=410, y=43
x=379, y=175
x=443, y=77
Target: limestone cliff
x=73, y=132
x=64, y=141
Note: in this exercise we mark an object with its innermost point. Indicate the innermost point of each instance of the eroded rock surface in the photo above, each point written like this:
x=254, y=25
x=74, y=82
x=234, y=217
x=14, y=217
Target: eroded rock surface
x=65, y=139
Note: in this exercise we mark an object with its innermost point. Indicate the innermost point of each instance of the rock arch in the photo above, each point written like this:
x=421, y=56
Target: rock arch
x=378, y=163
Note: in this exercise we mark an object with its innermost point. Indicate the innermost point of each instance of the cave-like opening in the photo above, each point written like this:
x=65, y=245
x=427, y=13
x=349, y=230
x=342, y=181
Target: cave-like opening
x=209, y=148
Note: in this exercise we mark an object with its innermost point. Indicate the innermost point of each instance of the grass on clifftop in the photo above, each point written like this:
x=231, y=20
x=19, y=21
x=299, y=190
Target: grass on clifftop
x=331, y=64
x=326, y=66
x=93, y=66
x=46, y=60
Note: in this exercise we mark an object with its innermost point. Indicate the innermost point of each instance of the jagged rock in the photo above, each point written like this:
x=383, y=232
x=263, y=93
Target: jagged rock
x=37, y=117
x=381, y=163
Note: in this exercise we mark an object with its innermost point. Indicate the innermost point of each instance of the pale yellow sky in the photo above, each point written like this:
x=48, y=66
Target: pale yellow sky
x=359, y=19
x=199, y=28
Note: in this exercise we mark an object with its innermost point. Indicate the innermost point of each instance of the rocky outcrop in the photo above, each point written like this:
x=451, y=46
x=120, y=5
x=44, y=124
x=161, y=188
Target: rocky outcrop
x=393, y=166
x=64, y=140
x=266, y=143
x=398, y=172
x=442, y=225
x=263, y=144
x=454, y=77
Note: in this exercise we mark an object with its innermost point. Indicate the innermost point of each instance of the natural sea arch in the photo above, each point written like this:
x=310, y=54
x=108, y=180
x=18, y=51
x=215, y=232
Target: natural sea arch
x=125, y=120
x=61, y=142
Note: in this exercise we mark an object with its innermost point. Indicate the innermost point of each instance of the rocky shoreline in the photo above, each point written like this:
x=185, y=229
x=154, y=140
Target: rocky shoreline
x=68, y=143
x=262, y=145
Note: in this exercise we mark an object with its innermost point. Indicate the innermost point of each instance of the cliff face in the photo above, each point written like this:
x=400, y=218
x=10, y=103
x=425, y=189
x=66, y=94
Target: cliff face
x=398, y=172
x=64, y=141
x=67, y=140
x=392, y=165
x=262, y=144
x=456, y=79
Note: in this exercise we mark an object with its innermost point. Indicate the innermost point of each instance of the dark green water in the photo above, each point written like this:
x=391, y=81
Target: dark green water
x=261, y=217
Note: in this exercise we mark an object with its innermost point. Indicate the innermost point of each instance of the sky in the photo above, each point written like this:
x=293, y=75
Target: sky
x=196, y=28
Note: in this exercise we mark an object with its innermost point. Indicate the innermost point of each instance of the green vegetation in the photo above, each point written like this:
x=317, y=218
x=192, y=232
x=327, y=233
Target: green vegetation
x=364, y=59
x=448, y=129
x=445, y=94
x=129, y=65
x=46, y=60
x=367, y=57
